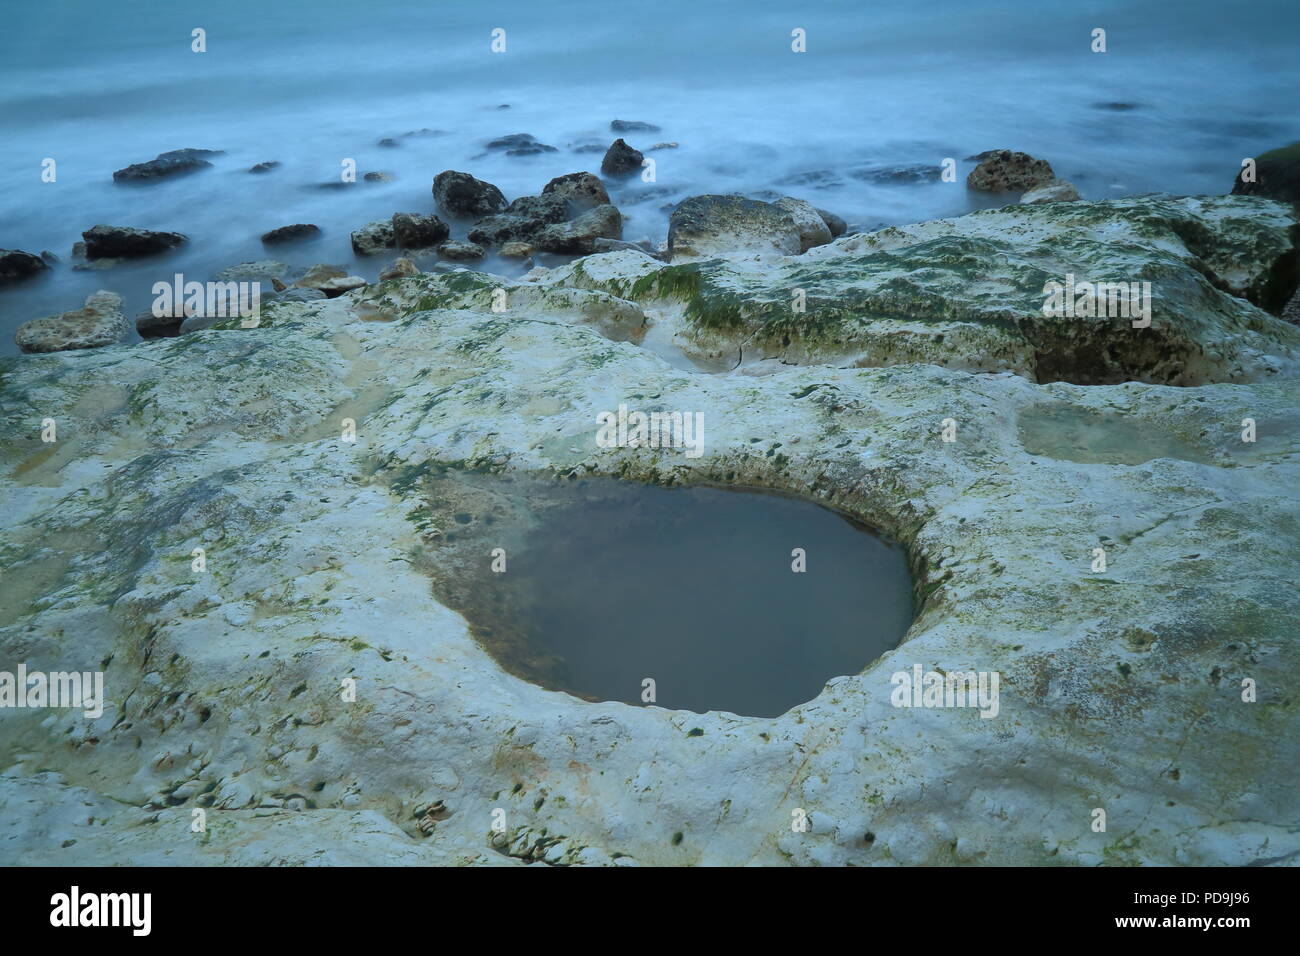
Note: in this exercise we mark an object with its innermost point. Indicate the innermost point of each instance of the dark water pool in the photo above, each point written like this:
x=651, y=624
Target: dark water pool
x=608, y=584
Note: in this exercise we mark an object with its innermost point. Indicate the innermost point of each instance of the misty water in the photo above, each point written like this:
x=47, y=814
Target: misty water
x=98, y=86
x=606, y=584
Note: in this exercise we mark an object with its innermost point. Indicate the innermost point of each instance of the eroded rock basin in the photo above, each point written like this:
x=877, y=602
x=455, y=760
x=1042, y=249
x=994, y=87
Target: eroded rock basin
x=688, y=598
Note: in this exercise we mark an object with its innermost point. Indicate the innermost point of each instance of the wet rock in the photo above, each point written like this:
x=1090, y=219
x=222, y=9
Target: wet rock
x=455, y=249
x=1277, y=176
x=16, y=265
x=632, y=126
x=520, y=144
x=704, y=226
x=581, y=190
x=400, y=268
x=658, y=146
x=377, y=177
x=461, y=195
x=49, y=257
x=517, y=250
x=264, y=167
x=1116, y=107
x=374, y=238
x=414, y=231
x=547, y=208
x=338, y=285
x=834, y=223
x=263, y=270
x=150, y=326
x=577, y=237
x=125, y=242
x=618, y=245
x=621, y=160
x=904, y=175
x=297, y=294
x=1004, y=170
x=174, y=163
x=298, y=231
x=318, y=275
x=1058, y=190
x=100, y=322
x=813, y=230
x=522, y=221
x=388, y=143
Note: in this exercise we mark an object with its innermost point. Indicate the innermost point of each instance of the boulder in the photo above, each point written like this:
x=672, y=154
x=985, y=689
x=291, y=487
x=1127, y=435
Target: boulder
x=301, y=230
x=264, y=167
x=901, y=175
x=582, y=190
x=377, y=177
x=374, y=238
x=704, y=226
x=461, y=195
x=100, y=322
x=400, y=268
x=414, y=231
x=263, y=270
x=834, y=223
x=813, y=230
x=1058, y=190
x=1003, y=170
x=519, y=144
x=632, y=126
x=318, y=275
x=621, y=160
x=455, y=249
x=517, y=250
x=16, y=264
x=125, y=242
x=174, y=163
x=522, y=221
x=577, y=237
x=1277, y=176
x=340, y=284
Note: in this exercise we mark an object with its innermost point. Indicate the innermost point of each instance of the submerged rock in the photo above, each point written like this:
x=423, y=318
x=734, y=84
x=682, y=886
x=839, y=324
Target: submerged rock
x=414, y=231
x=174, y=163
x=704, y=226
x=1058, y=190
x=125, y=242
x=582, y=190
x=632, y=126
x=263, y=270
x=621, y=160
x=577, y=237
x=100, y=322
x=298, y=231
x=461, y=195
x=1003, y=170
x=16, y=264
x=374, y=238
x=264, y=167
x=456, y=249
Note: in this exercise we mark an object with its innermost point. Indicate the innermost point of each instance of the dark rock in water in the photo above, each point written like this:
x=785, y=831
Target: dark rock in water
x=460, y=194
x=461, y=250
x=264, y=167
x=373, y=238
x=632, y=126
x=520, y=144
x=172, y=163
x=621, y=160
x=898, y=175
x=579, y=189
x=1277, y=175
x=817, y=178
x=590, y=148
x=1115, y=107
x=377, y=177
x=49, y=257
x=414, y=231
x=834, y=223
x=301, y=230
x=1004, y=170
x=495, y=230
x=504, y=106
x=266, y=271
x=547, y=208
x=124, y=242
x=152, y=326
x=16, y=264
x=577, y=237
x=388, y=142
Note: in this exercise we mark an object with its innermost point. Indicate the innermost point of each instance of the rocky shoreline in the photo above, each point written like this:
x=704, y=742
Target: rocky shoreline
x=1122, y=689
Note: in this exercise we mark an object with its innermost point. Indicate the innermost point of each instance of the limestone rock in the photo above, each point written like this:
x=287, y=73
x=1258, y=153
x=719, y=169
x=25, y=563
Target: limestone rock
x=1058, y=190
x=1005, y=170
x=813, y=230
x=456, y=249
x=374, y=238
x=99, y=323
x=621, y=160
x=16, y=264
x=414, y=231
x=577, y=237
x=704, y=226
x=400, y=268
x=461, y=195
x=582, y=190
x=174, y=163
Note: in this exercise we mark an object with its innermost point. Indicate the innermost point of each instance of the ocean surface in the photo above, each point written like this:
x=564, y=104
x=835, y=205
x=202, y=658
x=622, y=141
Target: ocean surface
x=98, y=86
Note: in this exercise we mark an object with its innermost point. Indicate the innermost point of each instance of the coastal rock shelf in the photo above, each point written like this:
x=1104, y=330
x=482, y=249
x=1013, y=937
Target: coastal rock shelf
x=1120, y=688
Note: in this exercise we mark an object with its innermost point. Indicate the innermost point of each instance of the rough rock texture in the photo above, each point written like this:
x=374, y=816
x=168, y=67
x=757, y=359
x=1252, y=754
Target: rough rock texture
x=1277, y=175
x=100, y=322
x=16, y=264
x=1121, y=689
x=834, y=223
x=813, y=228
x=174, y=163
x=125, y=242
x=582, y=190
x=521, y=222
x=400, y=268
x=1003, y=170
x=456, y=249
x=414, y=231
x=374, y=238
x=578, y=236
x=970, y=292
x=461, y=195
x=704, y=226
x=621, y=160
x=301, y=230
x=1058, y=190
